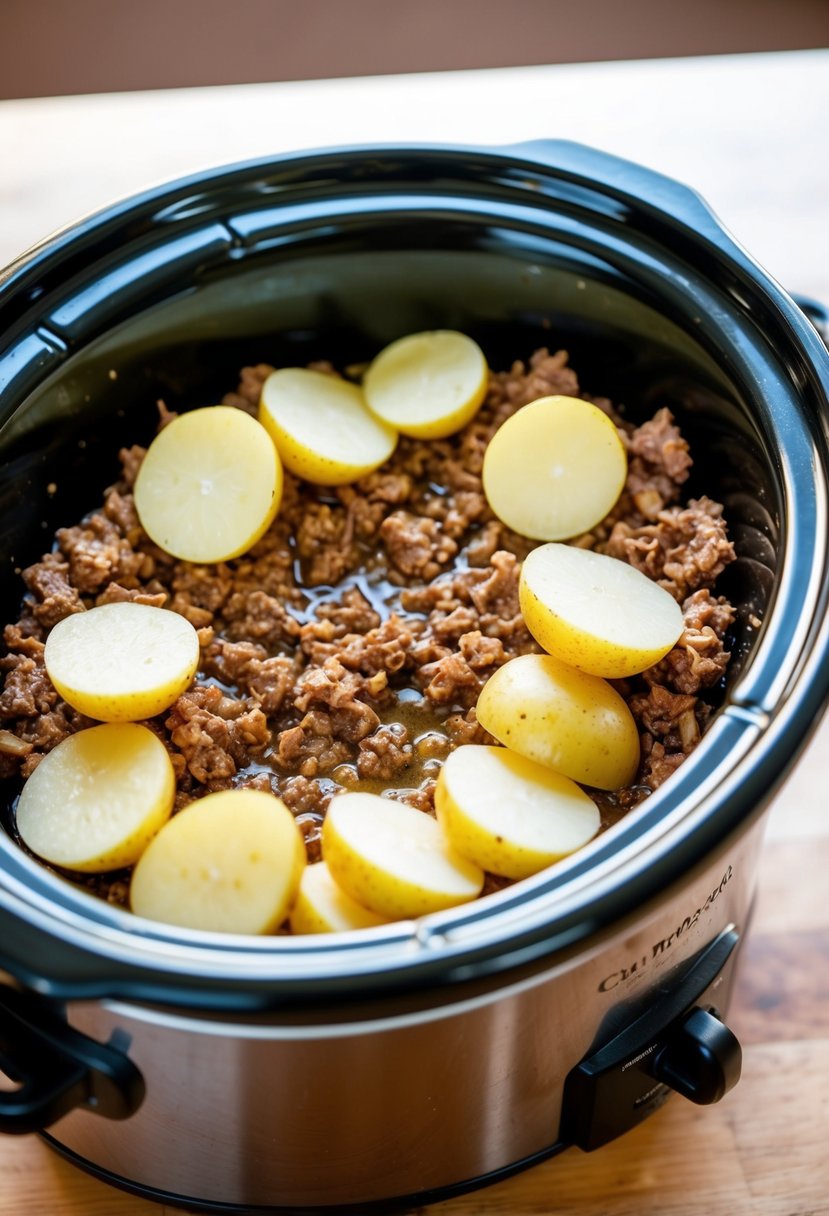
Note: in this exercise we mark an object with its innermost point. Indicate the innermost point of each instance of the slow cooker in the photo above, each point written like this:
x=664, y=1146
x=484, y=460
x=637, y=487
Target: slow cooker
x=406, y=1062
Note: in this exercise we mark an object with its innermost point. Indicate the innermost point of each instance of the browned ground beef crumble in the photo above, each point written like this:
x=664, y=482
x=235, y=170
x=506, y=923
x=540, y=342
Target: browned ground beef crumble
x=349, y=646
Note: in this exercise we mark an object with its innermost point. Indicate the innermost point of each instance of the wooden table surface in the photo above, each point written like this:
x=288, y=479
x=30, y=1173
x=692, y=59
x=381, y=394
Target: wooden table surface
x=747, y=131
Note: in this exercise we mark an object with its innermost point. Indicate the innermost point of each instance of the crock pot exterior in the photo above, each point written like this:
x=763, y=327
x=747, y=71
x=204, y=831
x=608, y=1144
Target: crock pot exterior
x=411, y=1097
x=422, y=1056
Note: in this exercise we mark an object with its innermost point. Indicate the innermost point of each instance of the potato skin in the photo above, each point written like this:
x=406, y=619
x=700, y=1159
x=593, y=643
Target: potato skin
x=122, y=662
x=443, y=371
x=510, y=815
x=230, y=862
x=393, y=859
x=571, y=600
x=210, y=485
x=324, y=907
x=554, y=469
x=559, y=716
x=95, y=802
x=325, y=401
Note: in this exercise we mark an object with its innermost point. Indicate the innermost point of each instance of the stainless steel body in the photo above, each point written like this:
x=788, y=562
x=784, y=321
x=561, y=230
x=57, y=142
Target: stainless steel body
x=396, y=1097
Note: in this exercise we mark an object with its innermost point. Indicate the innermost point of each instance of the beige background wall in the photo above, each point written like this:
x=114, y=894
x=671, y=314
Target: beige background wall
x=52, y=47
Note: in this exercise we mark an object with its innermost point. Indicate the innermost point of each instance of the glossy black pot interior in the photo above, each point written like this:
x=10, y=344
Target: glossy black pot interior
x=331, y=256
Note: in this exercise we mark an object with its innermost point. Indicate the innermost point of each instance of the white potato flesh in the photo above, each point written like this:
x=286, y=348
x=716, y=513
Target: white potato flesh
x=209, y=485
x=394, y=859
x=230, y=862
x=322, y=427
x=554, y=469
x=510, y=815
x=96, y=800
x=561, y=717
x=428, y=385
x=322, y=906
x=595, y=612
x=122, y=662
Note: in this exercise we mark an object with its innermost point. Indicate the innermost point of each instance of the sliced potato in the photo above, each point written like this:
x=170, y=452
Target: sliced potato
x=554, y=469
x=230, y=862
x=122, y=662
x=510, y=815
x=324, y=907
x=572, y=722
x=595, y=612
x=322, y=426
x=394, y=859
x=97, y=799
x=428, y=385
x=209, y=485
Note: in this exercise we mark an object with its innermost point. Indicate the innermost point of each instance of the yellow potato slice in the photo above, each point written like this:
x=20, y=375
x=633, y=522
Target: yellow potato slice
x=508, y=814
x=595, y=612
x=428, y=385
x=324, y=907
x=394, y=859
x=554, y=469
x=230, y=862
x=96, y=800
x=122, y=662
x=210, y=485
x=322, y=427
x=561, y=717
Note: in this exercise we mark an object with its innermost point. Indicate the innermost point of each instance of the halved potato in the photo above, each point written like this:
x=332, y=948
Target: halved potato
x=394, y=859
x=97, y=799
x=561, y=717
x=324, y=907
x=209, y=485
x=322, y=427
x=554, y=469
x=122, y=662
x=595, y=612
x=230, y=862
x=510, y=815
x=428, y=385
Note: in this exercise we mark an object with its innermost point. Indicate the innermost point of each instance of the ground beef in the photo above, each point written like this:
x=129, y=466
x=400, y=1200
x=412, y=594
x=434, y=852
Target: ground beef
x=114, y=593
x=417, y=546
x=310, y=747
x=367, y=502
x=216, y=734
x=657, y=762
x=686, y=549
x=306, y=797
x=249, y=391
x=465, y=728
x=699, y=659
x=98, y=554
x=52, y=594
x=199, y=592
x=131, y=459
x=385, y=753
x=546, y=375
x=343, y=695
x=324, y=543
x=350, y=614
x=120, y=509
x=259, y=617
x=658, y=464
x=458, y=677
x=348, y=648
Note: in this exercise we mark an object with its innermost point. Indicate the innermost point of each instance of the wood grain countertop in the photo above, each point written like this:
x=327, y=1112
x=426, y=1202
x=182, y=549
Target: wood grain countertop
x=749, y=133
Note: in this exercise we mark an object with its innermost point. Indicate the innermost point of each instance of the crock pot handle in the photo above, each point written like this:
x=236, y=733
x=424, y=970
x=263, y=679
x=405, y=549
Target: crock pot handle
x=58, y=1069
x=663, y=198
x=669, y=200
